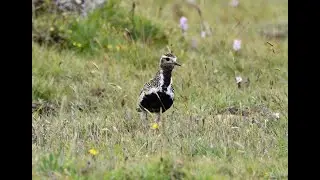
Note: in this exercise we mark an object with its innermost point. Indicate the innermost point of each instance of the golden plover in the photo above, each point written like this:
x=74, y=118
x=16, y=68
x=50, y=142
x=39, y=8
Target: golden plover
x=157, y=95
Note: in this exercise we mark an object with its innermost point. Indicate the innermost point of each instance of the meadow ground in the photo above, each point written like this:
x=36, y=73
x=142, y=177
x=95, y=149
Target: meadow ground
x=87, y=94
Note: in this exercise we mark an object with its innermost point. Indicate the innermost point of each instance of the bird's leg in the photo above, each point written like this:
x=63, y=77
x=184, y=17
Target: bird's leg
x=158, y=117
x=144, y=117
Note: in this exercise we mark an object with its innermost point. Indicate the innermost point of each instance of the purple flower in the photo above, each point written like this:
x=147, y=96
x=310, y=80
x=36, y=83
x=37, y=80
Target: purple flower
x=183, y=24
x=237, y=44
x=191, y=1
x=234, y=3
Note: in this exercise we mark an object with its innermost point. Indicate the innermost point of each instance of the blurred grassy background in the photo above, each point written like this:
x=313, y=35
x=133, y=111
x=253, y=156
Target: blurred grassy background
x=87, y=73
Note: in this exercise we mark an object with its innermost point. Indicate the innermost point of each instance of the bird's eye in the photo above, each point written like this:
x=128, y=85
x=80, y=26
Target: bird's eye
x=167, y=59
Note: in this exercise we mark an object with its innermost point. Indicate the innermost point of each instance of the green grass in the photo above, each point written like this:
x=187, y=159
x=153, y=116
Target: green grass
x=196, y=140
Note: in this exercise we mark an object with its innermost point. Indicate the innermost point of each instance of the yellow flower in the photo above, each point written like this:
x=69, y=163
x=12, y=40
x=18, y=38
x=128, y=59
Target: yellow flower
x=155, y=126
x=93, y=152
x=79, y=45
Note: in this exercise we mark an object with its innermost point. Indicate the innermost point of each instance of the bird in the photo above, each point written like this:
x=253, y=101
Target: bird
x=157, y=95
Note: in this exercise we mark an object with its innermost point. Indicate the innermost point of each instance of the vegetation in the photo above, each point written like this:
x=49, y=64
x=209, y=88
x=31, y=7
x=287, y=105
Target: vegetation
x=87, y=74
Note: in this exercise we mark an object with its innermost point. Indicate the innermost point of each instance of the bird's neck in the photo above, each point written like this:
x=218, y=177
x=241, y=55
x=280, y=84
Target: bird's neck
x=166, y=74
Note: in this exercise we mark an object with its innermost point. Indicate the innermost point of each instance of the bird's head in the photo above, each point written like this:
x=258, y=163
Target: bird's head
x=168, y=61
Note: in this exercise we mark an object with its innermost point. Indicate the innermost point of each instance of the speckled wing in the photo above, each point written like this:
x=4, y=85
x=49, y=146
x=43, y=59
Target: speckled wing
x=152, y=84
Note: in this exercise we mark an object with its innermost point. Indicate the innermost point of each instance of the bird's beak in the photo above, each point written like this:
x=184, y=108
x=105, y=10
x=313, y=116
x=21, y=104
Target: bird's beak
x=177, y=64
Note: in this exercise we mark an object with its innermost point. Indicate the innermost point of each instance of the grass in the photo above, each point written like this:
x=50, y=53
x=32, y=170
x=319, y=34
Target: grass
x=93, y=90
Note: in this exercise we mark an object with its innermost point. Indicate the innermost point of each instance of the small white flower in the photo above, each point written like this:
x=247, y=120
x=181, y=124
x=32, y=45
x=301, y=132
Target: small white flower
x=115, y=129
x=276, y=115
x=203, y=34
x=183, y=23
x=238, y=79
x=234, y=3
x=78, y=1
x=237, y=44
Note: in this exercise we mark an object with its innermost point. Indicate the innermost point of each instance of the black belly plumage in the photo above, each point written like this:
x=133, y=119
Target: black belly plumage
x=152, y=103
